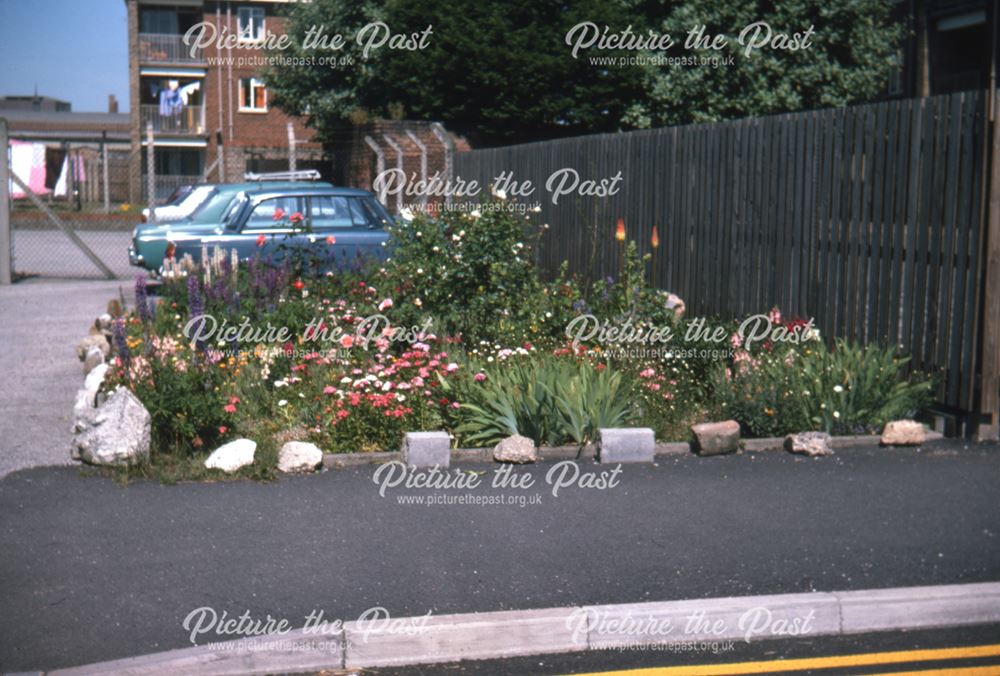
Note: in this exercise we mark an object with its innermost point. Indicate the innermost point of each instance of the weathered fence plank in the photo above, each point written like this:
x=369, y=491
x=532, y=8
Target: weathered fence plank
x=868, y=219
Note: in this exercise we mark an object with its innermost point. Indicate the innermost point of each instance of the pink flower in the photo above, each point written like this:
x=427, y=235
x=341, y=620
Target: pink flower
x=455, y=405
x=346, y=340
x=229, y=408
x=387, y=303
x=479, y=377
x=774, y=315
x=451, y=368
x=647, y=373
x=329, y=389
x=736, y=340
x=279, y=213
x=261, y=240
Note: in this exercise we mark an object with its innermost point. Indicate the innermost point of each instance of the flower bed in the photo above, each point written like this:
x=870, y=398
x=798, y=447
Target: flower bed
x=457, y=331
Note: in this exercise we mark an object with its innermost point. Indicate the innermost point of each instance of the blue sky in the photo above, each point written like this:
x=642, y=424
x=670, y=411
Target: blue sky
x=75, y=50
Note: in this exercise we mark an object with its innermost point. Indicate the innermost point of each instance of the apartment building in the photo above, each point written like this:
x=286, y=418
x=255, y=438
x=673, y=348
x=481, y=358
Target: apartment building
x=209, y=112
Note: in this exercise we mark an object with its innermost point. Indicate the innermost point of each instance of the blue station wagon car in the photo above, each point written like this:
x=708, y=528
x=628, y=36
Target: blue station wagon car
x=150, y=240
x=336, y=224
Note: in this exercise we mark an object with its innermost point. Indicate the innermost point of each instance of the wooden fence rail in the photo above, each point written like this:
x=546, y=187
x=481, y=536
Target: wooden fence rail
x=869, y=219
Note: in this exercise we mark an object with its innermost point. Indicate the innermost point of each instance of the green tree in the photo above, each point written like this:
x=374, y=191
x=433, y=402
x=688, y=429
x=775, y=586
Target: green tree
x=502, y=72
x=851, y=51
x=499, y=72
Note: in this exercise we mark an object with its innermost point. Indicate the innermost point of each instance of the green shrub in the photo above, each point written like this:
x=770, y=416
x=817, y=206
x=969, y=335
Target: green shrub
x=473, y=275
x=846, y=389
x=547, y=398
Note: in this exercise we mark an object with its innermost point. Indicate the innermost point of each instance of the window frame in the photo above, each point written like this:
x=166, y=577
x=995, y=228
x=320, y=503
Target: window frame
x=249, y=227
x=252, y=83
x=252, y=13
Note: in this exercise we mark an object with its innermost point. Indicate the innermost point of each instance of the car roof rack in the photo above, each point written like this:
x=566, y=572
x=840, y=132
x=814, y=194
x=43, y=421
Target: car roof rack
x=303, y=175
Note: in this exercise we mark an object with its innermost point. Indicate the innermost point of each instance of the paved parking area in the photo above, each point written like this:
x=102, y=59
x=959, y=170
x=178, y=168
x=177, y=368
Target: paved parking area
x=51, y=253
x=41, y=323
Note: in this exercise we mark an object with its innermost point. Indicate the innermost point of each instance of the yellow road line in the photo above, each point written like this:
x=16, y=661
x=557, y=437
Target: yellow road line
x=958, y=671
x=856, y=660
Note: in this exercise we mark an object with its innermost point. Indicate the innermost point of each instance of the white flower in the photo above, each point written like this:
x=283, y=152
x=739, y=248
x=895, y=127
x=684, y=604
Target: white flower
x=420, y=271
x=406, y=214
x=838, y=389
x=836, y=414
x=502, y=194
x=536, y=209
x=418, y=302
x=474, y=213
x=283, y=402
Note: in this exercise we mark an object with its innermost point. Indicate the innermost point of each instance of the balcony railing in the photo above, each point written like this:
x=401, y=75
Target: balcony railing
x=167, y=48
x=187, y=120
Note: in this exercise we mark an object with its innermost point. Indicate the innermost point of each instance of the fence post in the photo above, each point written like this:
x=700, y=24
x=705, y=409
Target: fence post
x=292, y=163
x=150, y=172
x=379, y=166
x=449, y=156
x=5, y=233
x=423, y=165
x=399, y=167
x=104, y=166
x=989, y=394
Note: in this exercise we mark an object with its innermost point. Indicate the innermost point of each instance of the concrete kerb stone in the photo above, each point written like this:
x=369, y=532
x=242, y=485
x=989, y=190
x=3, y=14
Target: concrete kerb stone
x=450, y=638
x=426, y=449
x=766, y=444
x=626, y=444
x=447, y=638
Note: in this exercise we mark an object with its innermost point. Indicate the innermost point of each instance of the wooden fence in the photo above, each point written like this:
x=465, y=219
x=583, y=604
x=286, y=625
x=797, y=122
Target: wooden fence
x=869, y=219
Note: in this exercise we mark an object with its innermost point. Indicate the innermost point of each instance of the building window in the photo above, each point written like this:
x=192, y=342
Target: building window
x=250, y=23
x=253, y=95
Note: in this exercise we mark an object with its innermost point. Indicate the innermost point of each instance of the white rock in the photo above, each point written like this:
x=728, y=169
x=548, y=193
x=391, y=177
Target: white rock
x=98, y=341
x=809, y=443
x=516, y=449
x=903, y=433
x=93, y=359
x=116, y=432
x=299, y=456
x=230, y=457
x=95, y=378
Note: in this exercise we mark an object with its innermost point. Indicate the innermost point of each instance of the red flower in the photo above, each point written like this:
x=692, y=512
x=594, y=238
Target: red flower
x=296, y=217
x=229, y=408
x=279, y=213
x=223, y=429
x=298, y=284
x=261, y=240
x=331, y=239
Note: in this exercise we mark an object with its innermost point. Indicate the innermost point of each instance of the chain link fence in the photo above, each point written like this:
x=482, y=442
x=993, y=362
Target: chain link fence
x=71, y=207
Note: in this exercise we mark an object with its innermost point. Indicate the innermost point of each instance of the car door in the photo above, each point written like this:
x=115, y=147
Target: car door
x=273, y=228
x=345, y=231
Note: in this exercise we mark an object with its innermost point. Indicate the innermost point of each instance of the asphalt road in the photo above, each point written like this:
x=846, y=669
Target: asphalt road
x=91, y=571
x=41, y=324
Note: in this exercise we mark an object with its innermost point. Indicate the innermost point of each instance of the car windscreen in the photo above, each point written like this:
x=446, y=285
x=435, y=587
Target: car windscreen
x=192, y=199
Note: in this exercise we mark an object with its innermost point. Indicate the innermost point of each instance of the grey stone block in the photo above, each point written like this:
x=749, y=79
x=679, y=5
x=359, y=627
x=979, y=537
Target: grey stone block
x=426, y=449
x=626, y=444
x=716, y=438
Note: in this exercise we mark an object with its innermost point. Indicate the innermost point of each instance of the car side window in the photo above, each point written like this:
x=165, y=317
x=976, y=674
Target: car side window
x=377, y=216
x=274, y=213
x=330, y=212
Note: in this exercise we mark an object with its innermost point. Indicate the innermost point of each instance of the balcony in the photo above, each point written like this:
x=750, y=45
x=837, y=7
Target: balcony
x=167, y=48
x=187, y=120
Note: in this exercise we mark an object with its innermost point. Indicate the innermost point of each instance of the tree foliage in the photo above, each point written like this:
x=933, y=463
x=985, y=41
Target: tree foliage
x=502, y=72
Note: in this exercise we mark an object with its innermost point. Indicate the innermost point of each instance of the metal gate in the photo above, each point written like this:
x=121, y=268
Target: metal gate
x=65, y=207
